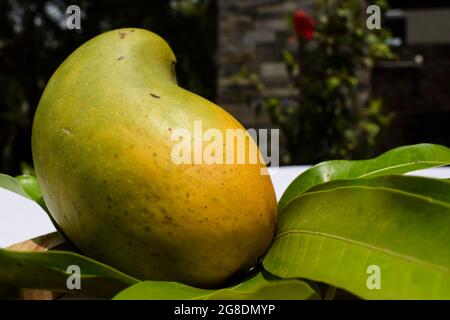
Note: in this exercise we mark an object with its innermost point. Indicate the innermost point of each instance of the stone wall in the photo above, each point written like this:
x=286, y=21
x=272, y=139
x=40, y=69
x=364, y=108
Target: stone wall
x=251, y=35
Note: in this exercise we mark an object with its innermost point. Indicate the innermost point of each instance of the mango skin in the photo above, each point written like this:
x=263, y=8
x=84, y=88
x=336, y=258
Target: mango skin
x=102, y=146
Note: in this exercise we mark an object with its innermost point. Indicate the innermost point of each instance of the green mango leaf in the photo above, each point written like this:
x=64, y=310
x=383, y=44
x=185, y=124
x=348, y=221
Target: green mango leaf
x=24, y=185
x=258, y=287
x=49, y=270
x=350, y=234
x=12, y=184
x=396, y=161
x=31, y=186
x=433, y=189
x=28, y=187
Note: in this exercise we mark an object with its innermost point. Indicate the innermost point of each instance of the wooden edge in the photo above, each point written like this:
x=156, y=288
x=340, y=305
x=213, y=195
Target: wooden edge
x=39, y=244
x=38, y=294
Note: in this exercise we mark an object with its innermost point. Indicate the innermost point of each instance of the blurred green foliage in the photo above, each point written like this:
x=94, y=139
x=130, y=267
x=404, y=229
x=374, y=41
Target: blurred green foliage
x=334, y=115
x=34, y=41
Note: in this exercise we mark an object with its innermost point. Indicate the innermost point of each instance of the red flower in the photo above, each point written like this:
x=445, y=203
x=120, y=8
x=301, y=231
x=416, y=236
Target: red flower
x=303, y=25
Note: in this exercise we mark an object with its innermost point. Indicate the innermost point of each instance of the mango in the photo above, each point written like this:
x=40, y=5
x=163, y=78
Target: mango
x=102, y=143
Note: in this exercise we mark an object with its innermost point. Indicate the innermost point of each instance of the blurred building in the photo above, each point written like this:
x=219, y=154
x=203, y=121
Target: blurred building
x=251, y=36
x=415, y=86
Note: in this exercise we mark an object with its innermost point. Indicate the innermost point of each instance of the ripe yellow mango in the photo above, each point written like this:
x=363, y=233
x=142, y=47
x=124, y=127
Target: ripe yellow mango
x=102, y=144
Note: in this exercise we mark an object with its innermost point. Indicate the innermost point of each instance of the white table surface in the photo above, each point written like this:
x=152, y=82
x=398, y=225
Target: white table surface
x=22, y=219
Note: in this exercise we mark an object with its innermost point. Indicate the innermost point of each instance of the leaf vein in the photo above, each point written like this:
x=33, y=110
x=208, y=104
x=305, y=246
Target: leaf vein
x=363, y=244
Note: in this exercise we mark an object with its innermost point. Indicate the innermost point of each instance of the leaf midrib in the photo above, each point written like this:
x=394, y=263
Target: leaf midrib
x=437, y=163
x=436, y=267
x=406, y=193
x=329, y=164
x=107, y=272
